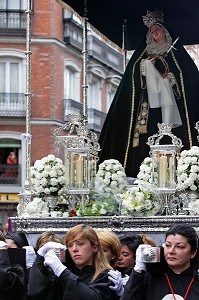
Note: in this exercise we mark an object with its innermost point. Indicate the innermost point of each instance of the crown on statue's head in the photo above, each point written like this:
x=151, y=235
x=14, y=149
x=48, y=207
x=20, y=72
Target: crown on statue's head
x=153, y=17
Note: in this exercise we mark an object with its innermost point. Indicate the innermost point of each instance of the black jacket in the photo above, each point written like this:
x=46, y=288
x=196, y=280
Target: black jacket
x=72, y=284
x=147, y=286
x=12, y=279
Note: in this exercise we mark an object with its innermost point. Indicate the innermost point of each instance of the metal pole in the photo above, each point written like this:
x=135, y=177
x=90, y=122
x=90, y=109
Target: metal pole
x=85, y=60
x=124, y=44
x=28, y=89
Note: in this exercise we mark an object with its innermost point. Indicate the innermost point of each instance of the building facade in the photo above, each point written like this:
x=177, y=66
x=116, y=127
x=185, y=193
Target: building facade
x=56, y=85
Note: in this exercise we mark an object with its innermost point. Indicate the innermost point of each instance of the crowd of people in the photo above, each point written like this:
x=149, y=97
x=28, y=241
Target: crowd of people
x=88, y=263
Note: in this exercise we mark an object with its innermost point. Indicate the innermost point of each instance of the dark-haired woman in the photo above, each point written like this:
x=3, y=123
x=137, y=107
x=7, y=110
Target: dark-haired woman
x=177, y=278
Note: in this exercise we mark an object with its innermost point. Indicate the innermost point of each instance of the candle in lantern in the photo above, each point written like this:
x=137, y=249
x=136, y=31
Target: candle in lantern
x=79, y=170
x=171, y=169
x=72, y=169
x=163, y=168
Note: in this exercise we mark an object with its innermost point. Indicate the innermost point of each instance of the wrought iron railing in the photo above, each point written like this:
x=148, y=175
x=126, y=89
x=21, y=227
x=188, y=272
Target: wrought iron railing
x=12, y=19
x=10, y=174
x=12, y=105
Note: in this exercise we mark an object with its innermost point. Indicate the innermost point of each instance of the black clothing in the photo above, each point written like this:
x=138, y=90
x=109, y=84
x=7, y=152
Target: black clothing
x=11, y=279
x=125, y=273
x=147, y=286
x=117, y=139
x=74, y=284
x=19, y=238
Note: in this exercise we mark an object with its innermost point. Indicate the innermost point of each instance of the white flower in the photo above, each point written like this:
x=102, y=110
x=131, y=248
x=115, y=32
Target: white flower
x=194, y=207
x=110, y=178
x=66, y=214
x=188, y=170
x=139, y=201
x=54, y=214
x=47, y=175
x=145, y=170
x=37, y=208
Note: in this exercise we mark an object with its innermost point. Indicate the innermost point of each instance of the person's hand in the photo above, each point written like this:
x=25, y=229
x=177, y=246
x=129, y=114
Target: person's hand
x=125, y=279
x=30, y=256
x=3, y=245
x=51, y=260
x=50, y=245
x=139, y=264
x=116, y=278
x=152, y=58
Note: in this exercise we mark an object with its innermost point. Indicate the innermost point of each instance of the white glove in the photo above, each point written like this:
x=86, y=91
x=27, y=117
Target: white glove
x=116, y=278
x=125, y=279
x=54, y=263
x=50, y=245
x=30, y=256
x=139, y=264
x=3, y=245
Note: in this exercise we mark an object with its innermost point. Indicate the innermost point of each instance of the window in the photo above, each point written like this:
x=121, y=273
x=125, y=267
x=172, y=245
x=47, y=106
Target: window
x=13, y=4
x=110, y=95
x=12, y=83
x=71, y=81
x=112, y=86
x=11, y=170
x=96, y=77
x=94, y=93
x=11, y=77
x=12, y=14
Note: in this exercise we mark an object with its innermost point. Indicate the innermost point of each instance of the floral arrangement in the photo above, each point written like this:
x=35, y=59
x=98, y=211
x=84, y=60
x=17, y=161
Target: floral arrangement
x=139, y=201
x=59, y=213
x=37, y=208
x=48, y=176
x=188, y=170
x=110, y=178
x=145, y=172
x=108, y=206
x=193, y=207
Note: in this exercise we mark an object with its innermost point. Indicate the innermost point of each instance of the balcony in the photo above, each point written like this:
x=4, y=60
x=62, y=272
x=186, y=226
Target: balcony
x=10, y=174
x=95, y=117
x=72, y=107
x=97, y=48
x=105, y=54
x=12, y=105
x=12, y=23
x=73, y=34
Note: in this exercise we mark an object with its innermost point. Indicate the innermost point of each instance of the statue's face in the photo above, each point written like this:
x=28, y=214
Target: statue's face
x=158, y=34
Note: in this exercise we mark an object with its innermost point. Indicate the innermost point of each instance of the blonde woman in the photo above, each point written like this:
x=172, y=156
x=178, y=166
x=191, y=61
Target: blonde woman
x=85, y=276
x=111, y=246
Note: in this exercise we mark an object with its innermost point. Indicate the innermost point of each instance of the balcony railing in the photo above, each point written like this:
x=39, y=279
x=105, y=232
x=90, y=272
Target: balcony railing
x=10, y=174
x=12, y=105
x=12, y=22
x=95, y=117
